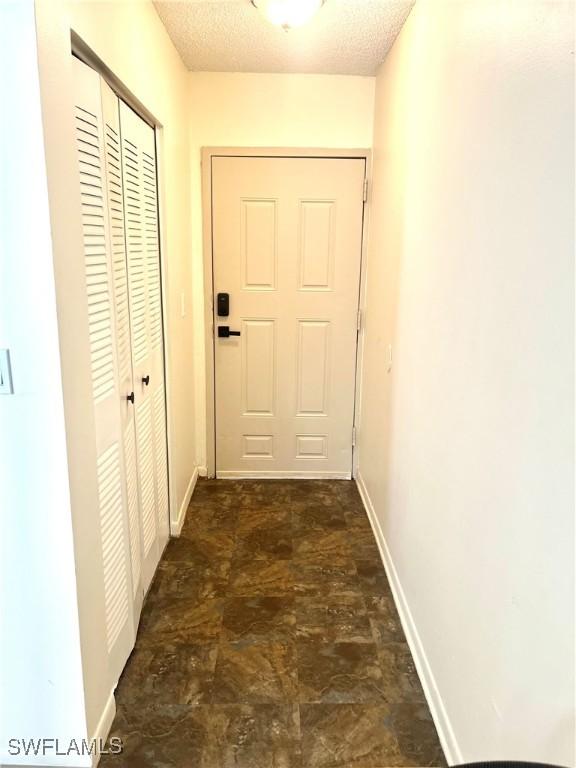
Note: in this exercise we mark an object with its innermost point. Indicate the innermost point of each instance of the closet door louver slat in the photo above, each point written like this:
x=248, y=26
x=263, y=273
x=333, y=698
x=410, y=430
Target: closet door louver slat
x=115, y=576
x=95, y=254
x=136, y=250
x=144, y=431
x=134, y=515
x=160, y=455
x=152, y=249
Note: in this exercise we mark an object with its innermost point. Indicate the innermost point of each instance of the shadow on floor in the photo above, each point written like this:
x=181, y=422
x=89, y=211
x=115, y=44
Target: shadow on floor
x=270, y=639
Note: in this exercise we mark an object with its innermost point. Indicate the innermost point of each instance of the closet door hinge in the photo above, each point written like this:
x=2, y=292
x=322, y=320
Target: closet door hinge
x=359, y=320
x=365, y=192
x=353, y=437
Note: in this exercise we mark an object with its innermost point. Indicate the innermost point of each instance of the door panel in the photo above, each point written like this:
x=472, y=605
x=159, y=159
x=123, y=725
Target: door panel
x=259, y=245
x=317, y=239
x=313, y=368
x=91, y=141
x=258, y=368
x=117, y=223
x=287, y=236
x=145, y=299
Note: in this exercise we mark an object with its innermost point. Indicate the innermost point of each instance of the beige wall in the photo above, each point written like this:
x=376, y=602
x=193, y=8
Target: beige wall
x=258, y=110
x=466, y=445
x=131, y=40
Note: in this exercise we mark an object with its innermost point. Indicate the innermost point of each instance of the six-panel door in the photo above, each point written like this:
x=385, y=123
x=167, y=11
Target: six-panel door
x=287, y=235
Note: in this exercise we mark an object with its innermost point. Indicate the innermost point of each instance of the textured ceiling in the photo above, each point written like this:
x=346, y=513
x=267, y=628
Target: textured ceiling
x=348, y=37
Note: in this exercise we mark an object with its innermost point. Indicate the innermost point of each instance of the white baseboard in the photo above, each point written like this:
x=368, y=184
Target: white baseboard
x=272, y=475
x=440, y=716
x=176, y=525
x=203, y=471
x=104, y=725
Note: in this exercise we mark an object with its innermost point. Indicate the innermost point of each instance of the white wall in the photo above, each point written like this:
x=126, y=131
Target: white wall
x=131, y=40
x=466, y=446
x=259, y=110
x=41, y=692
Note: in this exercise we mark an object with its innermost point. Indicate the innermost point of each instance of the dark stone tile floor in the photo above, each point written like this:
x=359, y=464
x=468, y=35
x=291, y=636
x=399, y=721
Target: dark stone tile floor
x=270, y=639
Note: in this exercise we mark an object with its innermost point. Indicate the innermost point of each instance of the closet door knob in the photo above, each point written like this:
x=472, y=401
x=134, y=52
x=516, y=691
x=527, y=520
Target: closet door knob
x=130, y=397
x=146, y=380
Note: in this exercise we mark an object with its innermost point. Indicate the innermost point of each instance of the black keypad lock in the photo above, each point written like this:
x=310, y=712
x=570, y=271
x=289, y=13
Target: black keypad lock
x=223, y=304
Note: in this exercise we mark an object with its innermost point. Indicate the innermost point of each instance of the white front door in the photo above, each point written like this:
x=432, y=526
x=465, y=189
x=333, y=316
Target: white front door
x=287, y=238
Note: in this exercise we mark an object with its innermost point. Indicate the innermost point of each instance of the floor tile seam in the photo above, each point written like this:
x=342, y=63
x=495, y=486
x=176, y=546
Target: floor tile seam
x=364, y=679
x=164, y=639
x=189, y=562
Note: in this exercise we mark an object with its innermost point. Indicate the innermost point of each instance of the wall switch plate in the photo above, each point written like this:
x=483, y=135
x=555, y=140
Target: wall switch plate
x=6, y=387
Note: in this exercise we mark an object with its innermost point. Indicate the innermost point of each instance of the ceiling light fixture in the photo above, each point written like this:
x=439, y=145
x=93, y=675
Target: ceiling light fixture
x=288, y=13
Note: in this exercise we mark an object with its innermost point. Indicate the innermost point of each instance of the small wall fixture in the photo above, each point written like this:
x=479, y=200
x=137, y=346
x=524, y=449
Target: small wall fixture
x=288, y=13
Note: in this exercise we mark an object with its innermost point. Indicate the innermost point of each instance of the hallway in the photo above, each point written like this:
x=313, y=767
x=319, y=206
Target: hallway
x=269, y=638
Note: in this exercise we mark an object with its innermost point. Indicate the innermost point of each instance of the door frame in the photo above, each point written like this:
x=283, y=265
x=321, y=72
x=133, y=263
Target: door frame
x=207, y=153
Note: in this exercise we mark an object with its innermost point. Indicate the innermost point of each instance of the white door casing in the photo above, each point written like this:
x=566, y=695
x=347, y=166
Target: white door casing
x=287, y=238
x=112, y=499
x=143, y=262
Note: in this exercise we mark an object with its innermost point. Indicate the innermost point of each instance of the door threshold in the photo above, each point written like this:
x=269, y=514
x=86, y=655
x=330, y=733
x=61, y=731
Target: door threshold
x=279, y=475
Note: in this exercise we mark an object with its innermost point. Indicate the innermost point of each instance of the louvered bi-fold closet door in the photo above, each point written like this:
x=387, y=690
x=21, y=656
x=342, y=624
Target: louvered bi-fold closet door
x=112, y=502
x=116, y=219
x=143, y=259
